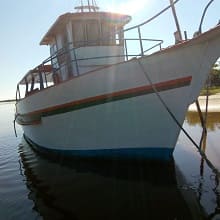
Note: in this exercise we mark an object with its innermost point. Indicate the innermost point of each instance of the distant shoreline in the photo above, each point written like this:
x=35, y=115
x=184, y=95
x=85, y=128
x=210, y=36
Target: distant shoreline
x=8, y=100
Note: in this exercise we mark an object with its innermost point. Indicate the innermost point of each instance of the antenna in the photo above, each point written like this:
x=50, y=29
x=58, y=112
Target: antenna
x=87, y=6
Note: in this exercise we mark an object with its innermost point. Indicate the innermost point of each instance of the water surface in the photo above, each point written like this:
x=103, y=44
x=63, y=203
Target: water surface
x=35, y=187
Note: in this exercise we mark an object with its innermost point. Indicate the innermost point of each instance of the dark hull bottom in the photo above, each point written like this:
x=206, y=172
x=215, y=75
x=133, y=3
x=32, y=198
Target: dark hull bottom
x=165, y=154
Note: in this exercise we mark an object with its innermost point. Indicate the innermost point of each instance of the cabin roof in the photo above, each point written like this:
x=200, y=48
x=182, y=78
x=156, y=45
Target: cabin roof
x=114, y=18
x=34, y=73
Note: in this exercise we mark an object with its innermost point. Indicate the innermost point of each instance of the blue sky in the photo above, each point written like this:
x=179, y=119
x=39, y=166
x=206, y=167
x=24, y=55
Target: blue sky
x=23, y=23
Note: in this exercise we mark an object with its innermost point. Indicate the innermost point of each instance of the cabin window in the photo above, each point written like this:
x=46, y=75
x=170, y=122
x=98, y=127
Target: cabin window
x=93, y=33
x=108, y=34
x=62, y=52
x=54, y=60
x=64, y=39
x=79, y=37
x=53, y=49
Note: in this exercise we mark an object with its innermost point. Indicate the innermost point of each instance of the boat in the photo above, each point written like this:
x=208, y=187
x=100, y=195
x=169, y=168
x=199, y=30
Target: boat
x=92, y=98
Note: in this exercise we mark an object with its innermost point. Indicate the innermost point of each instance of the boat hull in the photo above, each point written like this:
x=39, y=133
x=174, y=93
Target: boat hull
x=137, y=126
x=117, y=110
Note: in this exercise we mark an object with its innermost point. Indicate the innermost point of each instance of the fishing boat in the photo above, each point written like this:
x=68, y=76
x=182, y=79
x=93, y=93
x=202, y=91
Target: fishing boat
x=93, y=98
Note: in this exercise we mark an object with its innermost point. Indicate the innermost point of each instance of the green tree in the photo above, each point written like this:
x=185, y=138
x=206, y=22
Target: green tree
x=215, y=75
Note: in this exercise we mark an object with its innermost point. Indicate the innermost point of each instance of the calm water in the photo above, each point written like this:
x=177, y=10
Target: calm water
x=34, y=187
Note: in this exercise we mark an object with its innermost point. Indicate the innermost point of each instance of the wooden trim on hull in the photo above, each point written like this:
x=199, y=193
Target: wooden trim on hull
x=34, y=118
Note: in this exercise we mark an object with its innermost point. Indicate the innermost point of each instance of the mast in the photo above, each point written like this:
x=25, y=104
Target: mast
x=87, y=6
x=179, y=35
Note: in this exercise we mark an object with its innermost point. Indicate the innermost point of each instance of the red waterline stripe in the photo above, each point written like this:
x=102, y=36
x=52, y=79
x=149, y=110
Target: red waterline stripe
x=28, y=122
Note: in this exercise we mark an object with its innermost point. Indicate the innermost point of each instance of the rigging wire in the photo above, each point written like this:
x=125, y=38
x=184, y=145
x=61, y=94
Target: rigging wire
x=203, y=155
x=203, y=15
x=152, y=18
x=204, y=130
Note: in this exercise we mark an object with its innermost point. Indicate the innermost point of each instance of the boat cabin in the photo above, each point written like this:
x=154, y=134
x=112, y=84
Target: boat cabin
x=83, y=41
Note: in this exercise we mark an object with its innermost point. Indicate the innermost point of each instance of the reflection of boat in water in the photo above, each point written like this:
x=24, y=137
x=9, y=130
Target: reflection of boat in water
x=103, y=189
x=201, y=179
x=92, y=97
x=212, y=122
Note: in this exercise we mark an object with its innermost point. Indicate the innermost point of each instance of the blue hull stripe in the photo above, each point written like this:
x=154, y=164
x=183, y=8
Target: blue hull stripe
x=154, y=153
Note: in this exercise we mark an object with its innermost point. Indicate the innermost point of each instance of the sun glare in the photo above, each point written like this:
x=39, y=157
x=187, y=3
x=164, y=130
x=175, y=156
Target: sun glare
x=130, y=7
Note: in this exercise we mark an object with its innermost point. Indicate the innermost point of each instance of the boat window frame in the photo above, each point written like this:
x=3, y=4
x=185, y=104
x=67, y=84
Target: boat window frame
x=80, y=39
x=90, y=25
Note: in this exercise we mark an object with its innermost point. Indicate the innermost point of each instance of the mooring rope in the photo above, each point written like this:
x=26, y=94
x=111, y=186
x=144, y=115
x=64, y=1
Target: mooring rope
x=203, y=155
x=14, y=122
x=204, y=117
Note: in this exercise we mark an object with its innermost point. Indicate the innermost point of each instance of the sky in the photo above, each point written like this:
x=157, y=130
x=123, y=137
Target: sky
x=23, y=24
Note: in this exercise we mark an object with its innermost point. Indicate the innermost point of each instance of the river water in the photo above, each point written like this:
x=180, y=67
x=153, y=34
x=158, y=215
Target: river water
x=35, y=187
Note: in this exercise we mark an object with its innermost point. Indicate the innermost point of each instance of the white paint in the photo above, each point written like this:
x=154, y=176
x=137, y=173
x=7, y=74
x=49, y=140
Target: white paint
x=135, y=122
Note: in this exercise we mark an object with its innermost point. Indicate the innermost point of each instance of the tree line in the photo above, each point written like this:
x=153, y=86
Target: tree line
x=215, y=75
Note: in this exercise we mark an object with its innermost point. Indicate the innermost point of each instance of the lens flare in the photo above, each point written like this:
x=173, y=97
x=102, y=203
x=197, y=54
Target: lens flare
x=129, y=7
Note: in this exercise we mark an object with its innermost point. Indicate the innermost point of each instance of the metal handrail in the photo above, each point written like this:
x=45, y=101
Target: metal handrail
x=42, y=74
x=66, y=50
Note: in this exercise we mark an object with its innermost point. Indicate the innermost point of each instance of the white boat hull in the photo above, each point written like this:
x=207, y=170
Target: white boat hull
x=115, y=111
x=140, y=126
